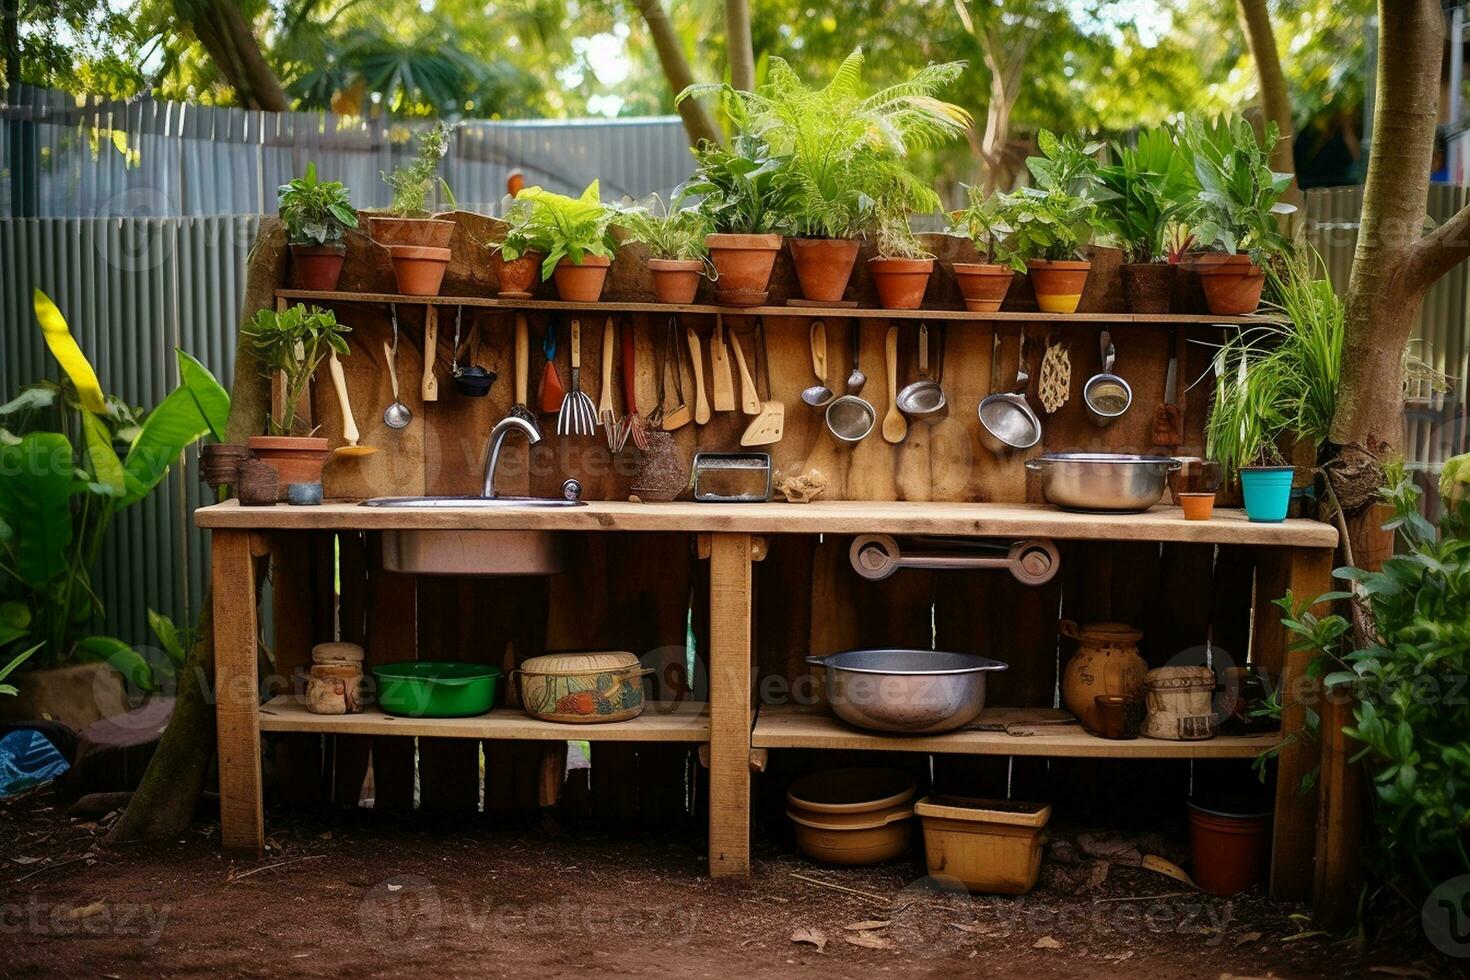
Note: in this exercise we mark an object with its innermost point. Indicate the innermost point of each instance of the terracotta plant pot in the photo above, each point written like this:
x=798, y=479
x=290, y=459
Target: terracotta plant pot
x=1228, y=851
x=426, y=232
x=1149, y=286
x=219, y=464
x=743, y=263
x=823, y=266
x=1232, y=283
x=296, y=459
x=317, y=266
x=1058, y=284
x=1197, y=506
x=581, y=282
x=901, y=282
x=983, y=284
x=676, y=280
x=419, y=269
x=518, y=276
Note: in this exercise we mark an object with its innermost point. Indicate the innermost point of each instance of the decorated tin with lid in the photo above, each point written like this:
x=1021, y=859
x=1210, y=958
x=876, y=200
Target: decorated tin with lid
x=600, y=686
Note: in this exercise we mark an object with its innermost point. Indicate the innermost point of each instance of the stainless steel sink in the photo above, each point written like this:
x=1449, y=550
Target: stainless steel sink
x=471, y=502
x=461, y=551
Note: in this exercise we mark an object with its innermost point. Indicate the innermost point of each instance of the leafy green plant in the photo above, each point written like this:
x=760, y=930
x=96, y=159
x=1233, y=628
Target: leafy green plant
x=1239, y=198
x=58, y=497
x=1049, y=225
x=677, y=235
x=894, y=236
x=982, y=222
x=738, y=188
x=10, y=690
x=315, y=212
x=561, y=227
x=411, y=184
x=1149, y=185
x=294, y=341
x=1066, y=166
x=1407, y=668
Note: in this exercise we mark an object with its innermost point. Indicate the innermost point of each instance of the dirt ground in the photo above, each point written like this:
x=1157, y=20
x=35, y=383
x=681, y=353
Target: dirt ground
x=359, y=895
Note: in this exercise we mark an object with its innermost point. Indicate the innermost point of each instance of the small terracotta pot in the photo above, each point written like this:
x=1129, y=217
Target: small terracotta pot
x=1149, y=286
x=743, y=263
x=983, y=284
x=901, y=282
x=1058, y=284
x=219, y=464
x=419, y=269
x=296, y=459
x=260, y=485
x=519, y=275
x=823, y=266
x=425, y=232
x=1232, y=283
x=1197, y=506
x=317, y=266
x=1228, y=852
x=581, y=282
x=675, y=280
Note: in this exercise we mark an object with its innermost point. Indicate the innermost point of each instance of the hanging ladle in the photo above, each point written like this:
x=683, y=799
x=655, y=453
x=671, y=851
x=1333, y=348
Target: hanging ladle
x=818, y=395
x=397, y=415
x=1007, y=422
x=923, y=400
x=1106, y=395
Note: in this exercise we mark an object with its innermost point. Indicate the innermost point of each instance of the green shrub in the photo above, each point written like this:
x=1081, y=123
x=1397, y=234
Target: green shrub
x=315, y=212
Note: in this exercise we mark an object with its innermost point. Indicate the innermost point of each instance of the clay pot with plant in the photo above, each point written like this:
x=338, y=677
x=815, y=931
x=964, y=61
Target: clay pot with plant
x=316, y=213
x=417, y=243
x=678, y=258
x=1148, y=187
x=574, y=232
x=902, y=267
x=293, y=342
x=1235, y=217
x=984, y=284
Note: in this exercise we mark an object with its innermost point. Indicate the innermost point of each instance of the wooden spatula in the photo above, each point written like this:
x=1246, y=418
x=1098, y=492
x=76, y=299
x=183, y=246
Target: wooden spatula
x=770, y=424
x=722, y=382
x=750, y=402
x=696, y=358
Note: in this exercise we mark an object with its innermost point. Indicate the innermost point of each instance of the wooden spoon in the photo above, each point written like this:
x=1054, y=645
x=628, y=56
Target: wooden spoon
x=750, y=402
x=349, y=426
x=696, y=357
x=895, y=426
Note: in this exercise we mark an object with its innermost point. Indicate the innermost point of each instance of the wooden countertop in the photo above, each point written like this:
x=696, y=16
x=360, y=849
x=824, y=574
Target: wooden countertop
x=660, y=722
x=1161, y=523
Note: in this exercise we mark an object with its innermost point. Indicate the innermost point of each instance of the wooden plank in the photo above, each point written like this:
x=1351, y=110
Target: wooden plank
x=294, y=586
x=242, y=816
x=1161, y=523
x=803, y=727
x=350, y=754
x=730, y=705
x=1338, y=865
x=660, y=722
x=1309, y=574
x=390, y=635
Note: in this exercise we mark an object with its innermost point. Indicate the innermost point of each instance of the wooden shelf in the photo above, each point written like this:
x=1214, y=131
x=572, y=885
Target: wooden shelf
x=660, y=722
x=814, y=727
x=806, y=312
x=1161, y=523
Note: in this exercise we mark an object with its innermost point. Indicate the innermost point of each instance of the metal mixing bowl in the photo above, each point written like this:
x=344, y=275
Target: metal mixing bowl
x=916, y=691
x=1109, y=482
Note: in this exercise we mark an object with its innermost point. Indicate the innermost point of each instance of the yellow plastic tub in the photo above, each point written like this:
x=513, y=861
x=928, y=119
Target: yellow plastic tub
x=991, y=846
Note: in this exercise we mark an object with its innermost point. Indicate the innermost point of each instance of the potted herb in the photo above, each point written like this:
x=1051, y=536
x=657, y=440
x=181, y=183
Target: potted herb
x=902, y=267
x=315, y=213
x=1054, y=219
x=675, y=241
x=294, y=342
x=1148, y=186
x=984, y=284
x=418, y=244
x=575, y=234
x=1235, y=215
x=519, y=256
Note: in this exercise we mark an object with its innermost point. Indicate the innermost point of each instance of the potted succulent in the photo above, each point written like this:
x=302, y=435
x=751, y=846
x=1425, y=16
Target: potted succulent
x=1235, y=215
x=574, y=232
x=294, y=342
x=1146, y=189
x=902, y=267
x=675, y=240
x=984, y=284
x=418, y=244
x=315, y=213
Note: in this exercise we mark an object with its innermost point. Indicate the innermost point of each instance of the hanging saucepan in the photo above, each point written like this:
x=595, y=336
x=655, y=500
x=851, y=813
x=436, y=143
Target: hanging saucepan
x=471, y=380
x=1007, y=423
x=1106, y=395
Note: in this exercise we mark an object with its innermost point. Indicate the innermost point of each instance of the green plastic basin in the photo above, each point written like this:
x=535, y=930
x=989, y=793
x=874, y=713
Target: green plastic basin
x=435, y=688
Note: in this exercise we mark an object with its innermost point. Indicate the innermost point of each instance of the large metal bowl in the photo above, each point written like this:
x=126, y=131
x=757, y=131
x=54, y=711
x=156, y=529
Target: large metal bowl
x=1105, y=482
x=914, y=691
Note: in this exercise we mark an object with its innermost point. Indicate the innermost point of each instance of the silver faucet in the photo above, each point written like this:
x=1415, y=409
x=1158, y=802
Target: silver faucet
x=502, y=429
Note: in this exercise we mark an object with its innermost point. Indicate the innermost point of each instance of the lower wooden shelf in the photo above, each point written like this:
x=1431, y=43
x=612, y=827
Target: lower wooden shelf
x=660, y=722
x=999, y=731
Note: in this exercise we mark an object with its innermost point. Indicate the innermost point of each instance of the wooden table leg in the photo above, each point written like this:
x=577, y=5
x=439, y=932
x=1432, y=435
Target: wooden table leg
x=730, y=704
x=237, y=698
x=1339, y=870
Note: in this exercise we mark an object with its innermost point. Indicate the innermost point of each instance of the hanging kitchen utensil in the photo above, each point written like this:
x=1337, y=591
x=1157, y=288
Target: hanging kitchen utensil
x=633, y=424
x=1106, y=395
x=696, y=358
x=1006, y=420
x=429, y=382
x=857, y=379
x=349, y=425
x=578, y=416
x=679, y=416
x=923, y=400
x=472, y=380
x=605, y=412
x=1168, y=424
x=721, y=383
x=850, y=418
x=894, y=425
x=397, y=415
x=552, y=392
x=750, y=401
x=818, y=395
x=770, y=424
x=1054, y=383
x=521, y=409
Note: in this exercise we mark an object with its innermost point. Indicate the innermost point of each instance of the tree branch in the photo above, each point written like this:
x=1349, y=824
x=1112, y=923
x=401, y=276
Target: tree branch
x=697, y=122
x=1441, y=250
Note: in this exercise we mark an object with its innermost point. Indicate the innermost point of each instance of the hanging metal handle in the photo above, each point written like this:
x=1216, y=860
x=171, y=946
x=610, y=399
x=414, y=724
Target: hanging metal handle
x=1033, y=561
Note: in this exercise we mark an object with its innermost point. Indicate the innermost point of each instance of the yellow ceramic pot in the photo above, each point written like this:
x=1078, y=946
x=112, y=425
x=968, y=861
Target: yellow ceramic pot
x=1106, y=662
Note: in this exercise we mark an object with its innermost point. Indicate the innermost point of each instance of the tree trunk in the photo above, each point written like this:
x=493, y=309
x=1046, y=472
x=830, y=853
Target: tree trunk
x=742, y=50
x=1394, y=264
x=697, y=122
x=1255, y=22
x=228, y=37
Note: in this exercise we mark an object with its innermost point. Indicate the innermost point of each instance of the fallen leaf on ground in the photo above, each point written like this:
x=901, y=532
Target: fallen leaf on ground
x=1096, y=875
x=1247, y=937
x=1046, y=942
x=1305, y=935
x=1152, y=862
x=869, y=940
x=26, y=859
x=394, y=888
x=811, y=937
x=867, y=925
x=86, y=911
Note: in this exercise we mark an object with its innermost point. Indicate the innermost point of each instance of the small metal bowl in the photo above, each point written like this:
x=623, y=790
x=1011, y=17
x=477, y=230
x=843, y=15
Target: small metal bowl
x=1107, y=397
x=923, y=401
x=1102, y=482
x=850, y=418
x=915, y=691
x=1007, y=423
